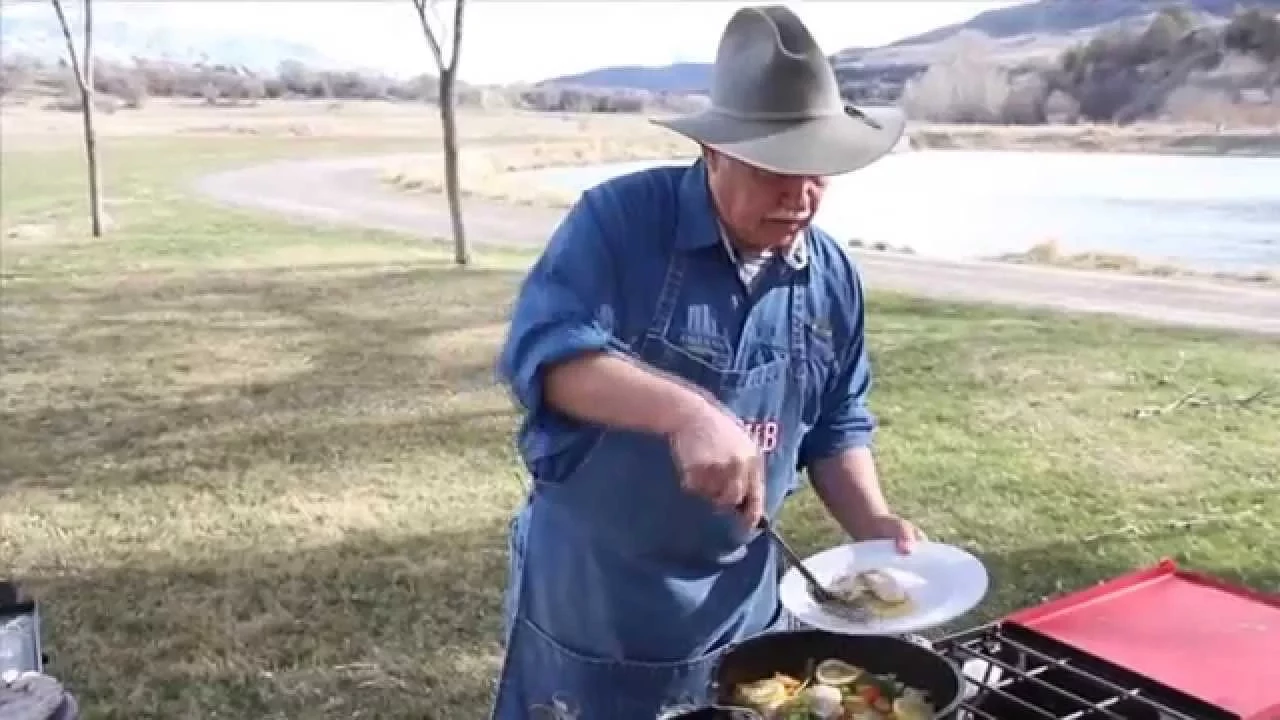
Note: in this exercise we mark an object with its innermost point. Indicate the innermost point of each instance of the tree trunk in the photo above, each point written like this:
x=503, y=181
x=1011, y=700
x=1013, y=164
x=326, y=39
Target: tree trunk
x=83, y=71
x=89, y=108
x=91, y=155
x=461, y=253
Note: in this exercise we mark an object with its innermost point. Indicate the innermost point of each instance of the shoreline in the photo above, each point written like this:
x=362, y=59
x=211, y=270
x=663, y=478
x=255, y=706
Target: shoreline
x=503, y=174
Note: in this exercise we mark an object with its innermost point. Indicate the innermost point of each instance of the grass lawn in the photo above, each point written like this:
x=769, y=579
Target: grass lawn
x=256, y=470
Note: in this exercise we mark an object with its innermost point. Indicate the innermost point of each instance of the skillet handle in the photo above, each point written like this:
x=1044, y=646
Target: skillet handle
x=713, y=686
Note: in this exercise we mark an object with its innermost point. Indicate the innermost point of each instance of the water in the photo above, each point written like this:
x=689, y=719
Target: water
x=1207, y=213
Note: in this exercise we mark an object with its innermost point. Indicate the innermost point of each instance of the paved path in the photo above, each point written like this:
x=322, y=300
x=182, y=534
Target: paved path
x=349, y=191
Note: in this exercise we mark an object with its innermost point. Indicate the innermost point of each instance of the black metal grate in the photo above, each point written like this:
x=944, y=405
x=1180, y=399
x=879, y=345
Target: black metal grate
x=1014, y=673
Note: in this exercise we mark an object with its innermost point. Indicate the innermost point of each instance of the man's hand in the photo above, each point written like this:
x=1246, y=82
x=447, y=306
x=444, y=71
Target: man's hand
x=719, y=461
x=902, y=532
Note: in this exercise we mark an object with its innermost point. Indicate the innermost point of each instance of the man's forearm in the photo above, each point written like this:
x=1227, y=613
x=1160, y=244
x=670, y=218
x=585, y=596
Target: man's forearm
x=616, y=392
x=849, y=486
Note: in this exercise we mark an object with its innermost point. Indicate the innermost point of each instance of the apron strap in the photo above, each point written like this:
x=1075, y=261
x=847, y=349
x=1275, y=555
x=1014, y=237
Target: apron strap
x=669, y=296
x=798, y=315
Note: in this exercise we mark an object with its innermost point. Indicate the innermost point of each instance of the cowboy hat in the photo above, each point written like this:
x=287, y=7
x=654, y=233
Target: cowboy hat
x=776, y=105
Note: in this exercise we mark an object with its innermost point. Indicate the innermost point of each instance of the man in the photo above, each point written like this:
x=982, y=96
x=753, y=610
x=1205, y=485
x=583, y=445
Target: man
x=685, y=343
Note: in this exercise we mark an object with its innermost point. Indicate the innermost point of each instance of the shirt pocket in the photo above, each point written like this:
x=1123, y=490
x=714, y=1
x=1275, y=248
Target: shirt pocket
x=819, y=371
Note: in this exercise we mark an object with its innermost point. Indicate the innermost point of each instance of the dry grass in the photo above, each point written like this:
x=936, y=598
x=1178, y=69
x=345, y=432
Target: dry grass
x=498, y=173
x=30, y=126
x=256, y=470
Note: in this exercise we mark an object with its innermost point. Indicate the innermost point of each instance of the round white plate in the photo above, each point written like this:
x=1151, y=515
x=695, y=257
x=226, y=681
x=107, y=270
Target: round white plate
x=943, y=581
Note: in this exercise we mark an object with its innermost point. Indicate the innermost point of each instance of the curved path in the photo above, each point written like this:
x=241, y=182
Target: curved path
x=349, y=191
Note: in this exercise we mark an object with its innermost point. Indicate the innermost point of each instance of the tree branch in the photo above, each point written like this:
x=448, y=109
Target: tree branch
x=87, y=58
x=457, y=35
x=71, y=45
x=423, y=8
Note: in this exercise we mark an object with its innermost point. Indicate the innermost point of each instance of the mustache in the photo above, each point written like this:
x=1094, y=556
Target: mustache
x=791, y=218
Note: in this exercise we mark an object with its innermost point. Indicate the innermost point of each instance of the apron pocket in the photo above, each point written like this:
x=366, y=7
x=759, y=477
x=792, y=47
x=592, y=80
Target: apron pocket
x=544, y=680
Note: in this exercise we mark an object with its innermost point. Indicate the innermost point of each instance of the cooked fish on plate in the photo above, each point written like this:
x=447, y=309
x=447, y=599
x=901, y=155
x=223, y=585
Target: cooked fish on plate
x=882, y=591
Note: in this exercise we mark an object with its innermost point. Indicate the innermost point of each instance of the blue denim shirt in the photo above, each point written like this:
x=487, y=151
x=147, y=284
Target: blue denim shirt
x=595, y=289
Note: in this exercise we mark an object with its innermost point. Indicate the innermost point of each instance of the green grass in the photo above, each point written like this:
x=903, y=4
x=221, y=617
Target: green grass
x=257, y=470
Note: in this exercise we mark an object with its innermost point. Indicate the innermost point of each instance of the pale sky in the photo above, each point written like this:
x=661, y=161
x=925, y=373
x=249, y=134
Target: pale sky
x=523, y=41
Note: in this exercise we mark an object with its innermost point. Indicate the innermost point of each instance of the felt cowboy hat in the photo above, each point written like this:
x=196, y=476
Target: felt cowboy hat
x=776, y=105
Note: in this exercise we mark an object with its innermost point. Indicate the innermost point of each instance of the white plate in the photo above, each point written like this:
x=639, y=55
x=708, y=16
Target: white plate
x=943, y=581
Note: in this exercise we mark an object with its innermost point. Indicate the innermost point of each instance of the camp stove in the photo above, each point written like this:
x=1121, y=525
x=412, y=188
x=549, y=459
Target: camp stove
x=1157, y=644
x=19, y=631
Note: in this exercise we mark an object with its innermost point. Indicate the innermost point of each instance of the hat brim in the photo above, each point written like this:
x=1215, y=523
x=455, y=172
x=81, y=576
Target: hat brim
x=831, y=145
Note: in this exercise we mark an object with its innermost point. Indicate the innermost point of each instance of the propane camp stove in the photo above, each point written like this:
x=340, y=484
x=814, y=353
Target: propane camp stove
x=1158, y=644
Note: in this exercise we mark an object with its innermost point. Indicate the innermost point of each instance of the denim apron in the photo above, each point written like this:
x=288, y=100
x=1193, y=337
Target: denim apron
x=624, y=590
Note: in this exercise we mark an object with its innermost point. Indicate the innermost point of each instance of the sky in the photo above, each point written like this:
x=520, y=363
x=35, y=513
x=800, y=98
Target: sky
x=508, y=42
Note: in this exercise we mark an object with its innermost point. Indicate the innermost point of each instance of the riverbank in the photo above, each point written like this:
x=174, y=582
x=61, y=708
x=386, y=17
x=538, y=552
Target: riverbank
x=1155, y=138
x=1051, y=254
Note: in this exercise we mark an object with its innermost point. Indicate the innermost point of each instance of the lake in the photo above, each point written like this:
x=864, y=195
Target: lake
x=1207, y=213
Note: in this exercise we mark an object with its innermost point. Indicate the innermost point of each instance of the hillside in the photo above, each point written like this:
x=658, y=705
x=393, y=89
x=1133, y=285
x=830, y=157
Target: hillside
x=1061, y=17
x=1040, y=30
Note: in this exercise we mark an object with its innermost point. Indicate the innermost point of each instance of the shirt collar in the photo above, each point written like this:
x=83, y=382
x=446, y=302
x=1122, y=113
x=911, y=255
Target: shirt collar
x=796, y=257
x=697, y=226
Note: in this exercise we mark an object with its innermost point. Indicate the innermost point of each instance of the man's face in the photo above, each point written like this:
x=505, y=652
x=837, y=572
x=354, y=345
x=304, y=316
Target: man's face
x=763, y=210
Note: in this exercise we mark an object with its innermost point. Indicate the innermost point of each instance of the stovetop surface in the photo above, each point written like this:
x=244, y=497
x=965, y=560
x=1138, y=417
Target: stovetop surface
x=1015, y=674
x=1186, y=630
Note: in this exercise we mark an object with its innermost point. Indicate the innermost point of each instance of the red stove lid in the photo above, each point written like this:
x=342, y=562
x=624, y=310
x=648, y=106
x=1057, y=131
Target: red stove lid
x=1190, y=632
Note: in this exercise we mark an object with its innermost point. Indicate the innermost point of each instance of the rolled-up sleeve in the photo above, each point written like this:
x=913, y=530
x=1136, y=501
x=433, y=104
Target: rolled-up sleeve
x=844, y=421
x=565, y=307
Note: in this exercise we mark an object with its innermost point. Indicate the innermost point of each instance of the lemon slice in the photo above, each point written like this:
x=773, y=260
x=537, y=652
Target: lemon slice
x=836, y=672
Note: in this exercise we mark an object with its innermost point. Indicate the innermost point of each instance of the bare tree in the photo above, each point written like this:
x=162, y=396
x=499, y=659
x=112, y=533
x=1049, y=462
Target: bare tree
x=967, y=87
x=82, y=71
x=434, y=29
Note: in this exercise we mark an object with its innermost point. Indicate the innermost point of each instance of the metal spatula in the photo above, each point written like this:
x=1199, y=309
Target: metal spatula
x=823, y=596
x=820, y=593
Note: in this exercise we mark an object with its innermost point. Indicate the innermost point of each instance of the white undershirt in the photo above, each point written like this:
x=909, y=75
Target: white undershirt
x=750, y=264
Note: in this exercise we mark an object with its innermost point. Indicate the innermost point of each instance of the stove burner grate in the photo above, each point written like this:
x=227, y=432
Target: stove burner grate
x=1014, y=673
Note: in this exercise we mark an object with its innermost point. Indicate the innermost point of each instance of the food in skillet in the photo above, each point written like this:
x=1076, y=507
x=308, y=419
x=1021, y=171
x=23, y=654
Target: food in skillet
x=874, y=591
x=836, y=691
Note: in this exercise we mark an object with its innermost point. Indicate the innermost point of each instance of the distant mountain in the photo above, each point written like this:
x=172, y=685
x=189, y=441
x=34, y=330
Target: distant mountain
x=31, y=30
x=1034, y=30
x=688, y=78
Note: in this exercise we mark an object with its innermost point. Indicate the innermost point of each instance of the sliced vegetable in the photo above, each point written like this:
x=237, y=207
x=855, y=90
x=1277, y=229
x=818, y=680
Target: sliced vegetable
x=769, y=691
x=834, y=690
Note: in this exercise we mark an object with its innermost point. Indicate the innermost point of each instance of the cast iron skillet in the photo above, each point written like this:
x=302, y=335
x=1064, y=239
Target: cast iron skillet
x=794, y=653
